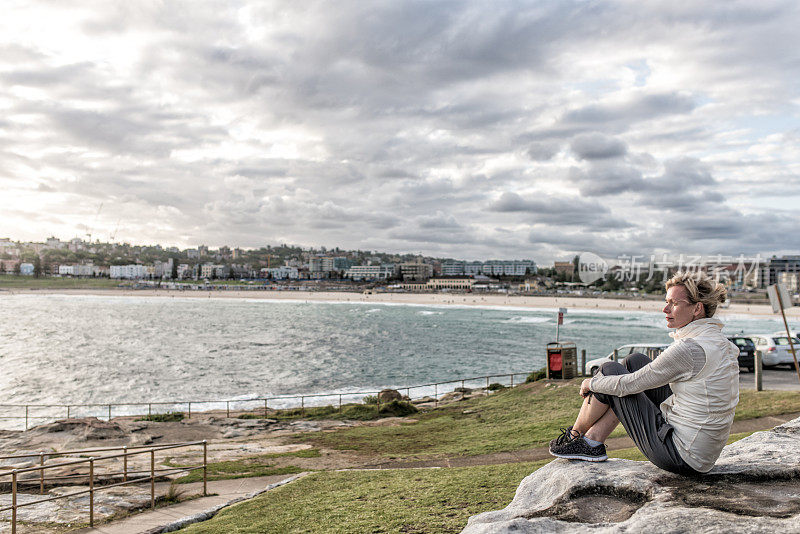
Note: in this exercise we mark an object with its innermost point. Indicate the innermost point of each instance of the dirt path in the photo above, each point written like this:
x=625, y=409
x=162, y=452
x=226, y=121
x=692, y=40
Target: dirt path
x=541, y=453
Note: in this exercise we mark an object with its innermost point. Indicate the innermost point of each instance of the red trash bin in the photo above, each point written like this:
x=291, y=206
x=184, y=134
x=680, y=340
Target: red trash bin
x=561, y=360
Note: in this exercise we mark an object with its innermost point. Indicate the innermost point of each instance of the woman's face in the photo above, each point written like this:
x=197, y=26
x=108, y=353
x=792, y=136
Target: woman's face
x=679, y=310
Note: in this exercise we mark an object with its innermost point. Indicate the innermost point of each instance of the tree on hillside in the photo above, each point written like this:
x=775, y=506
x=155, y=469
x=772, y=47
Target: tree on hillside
x=37, y=266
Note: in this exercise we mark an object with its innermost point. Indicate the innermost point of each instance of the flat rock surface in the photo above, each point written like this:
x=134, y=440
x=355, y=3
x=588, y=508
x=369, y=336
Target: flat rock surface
x=754, y=487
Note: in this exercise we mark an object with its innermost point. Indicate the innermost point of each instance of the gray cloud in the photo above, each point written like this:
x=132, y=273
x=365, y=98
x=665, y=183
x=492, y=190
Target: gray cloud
x=543, y=151
x=403, y=124
x=597, y=146
x=639, y=108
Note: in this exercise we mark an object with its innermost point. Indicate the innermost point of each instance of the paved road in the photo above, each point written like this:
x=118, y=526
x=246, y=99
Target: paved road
x=782, y=378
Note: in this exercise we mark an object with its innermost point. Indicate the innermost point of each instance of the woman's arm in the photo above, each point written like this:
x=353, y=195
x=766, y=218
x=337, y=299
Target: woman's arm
x=681, y=361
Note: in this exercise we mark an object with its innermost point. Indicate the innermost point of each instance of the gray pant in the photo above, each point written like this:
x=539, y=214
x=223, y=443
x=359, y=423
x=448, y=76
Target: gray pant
x=641, y=416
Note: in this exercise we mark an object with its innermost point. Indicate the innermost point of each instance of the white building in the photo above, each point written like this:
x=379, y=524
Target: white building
x=369, y=272
x=282, y=273
x=212, y=270
x=76, y=270
x=163, y=269
x=128, y=271
x=321, y=264
x=491, y=267
x=184, y=271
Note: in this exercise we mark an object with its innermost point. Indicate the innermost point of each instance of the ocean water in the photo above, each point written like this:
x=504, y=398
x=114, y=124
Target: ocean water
x=111, y=349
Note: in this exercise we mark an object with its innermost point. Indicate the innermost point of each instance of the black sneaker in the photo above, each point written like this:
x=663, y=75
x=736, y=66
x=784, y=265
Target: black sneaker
x=576, y=448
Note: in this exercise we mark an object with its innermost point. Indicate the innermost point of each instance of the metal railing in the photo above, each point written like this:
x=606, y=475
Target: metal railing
x=90, y=475
x=105, y=410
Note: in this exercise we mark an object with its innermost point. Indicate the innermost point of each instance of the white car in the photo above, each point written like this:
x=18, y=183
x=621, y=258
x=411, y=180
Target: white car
x=651, y=350
x=795, y=337
x=774, y=349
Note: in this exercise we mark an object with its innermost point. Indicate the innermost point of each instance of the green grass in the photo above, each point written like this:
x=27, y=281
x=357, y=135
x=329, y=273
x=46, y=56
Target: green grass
x=411, y=500
x=523, y=417
x=360, y=412
x=510, y=419
x=255, y=466
x=8, y=281
x=395, y=500
x=754, y=403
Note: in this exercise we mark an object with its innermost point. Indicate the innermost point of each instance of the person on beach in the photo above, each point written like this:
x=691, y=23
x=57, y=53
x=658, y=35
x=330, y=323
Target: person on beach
x=678, y=408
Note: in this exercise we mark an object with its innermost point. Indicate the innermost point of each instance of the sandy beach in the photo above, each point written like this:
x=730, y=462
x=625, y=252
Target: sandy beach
x=422, y=299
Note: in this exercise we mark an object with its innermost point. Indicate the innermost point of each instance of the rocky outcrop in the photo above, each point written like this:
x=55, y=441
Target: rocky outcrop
x=388, y=395
x=755, y=487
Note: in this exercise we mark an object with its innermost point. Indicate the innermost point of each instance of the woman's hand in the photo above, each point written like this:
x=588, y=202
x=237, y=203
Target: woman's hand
x=585, y=389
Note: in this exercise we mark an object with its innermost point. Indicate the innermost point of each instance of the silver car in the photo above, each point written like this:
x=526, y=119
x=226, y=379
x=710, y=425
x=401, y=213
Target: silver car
x=774, y=349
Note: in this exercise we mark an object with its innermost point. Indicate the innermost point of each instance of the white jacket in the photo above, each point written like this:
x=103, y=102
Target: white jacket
x=701, y=409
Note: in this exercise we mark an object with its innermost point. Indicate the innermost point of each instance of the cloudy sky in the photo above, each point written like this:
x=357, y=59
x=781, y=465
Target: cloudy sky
x=461, y=129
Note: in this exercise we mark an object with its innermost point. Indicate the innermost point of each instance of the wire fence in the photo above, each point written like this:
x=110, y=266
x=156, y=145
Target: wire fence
x=26, y=415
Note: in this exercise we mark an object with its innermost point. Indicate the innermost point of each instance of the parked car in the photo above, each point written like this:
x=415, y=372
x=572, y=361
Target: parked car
x=774, y=349
x=795, y=337
x=747, y=351
x=651, y=350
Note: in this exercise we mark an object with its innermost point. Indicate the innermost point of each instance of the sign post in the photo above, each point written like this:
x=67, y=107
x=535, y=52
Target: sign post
x=779, y=298
x=561, y=313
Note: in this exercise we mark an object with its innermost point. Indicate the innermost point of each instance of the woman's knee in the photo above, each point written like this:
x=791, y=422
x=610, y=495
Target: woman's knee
x=613, y=368
x=636, y=361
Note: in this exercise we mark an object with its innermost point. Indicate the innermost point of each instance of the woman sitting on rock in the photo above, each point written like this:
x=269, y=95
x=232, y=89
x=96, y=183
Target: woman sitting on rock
x=679, y=408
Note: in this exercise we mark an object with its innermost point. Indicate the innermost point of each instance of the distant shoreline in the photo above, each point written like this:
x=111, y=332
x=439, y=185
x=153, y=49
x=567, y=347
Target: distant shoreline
x=423, y=299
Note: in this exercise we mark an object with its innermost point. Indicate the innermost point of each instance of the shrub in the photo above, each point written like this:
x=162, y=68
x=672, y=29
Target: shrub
x=397, y=408
x=163, y=417
x=360, y=411
x=536, y=375
x=496, y=386
x=370, y=399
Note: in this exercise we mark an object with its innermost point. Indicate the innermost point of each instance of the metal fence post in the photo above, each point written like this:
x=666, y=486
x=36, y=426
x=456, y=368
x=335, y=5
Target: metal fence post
x=436, y=394
x=109, y=412
x=487, y=383
x=190, y=410
x=91, y=492
x=340, y=402
x=125, y=463
x=227, y=408
x=302, y=405
x=512, y=380
x=152, y=478
x=149, y=410
x=14, y=501
x=67, y=412
x=205, y=467
x=41, y=473
x=759, y=370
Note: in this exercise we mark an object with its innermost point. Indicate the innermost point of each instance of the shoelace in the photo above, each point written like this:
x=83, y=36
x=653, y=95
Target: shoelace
x=566, y=435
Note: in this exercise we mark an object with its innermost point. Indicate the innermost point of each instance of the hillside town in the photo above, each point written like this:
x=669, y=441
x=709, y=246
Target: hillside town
x=284, y=263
